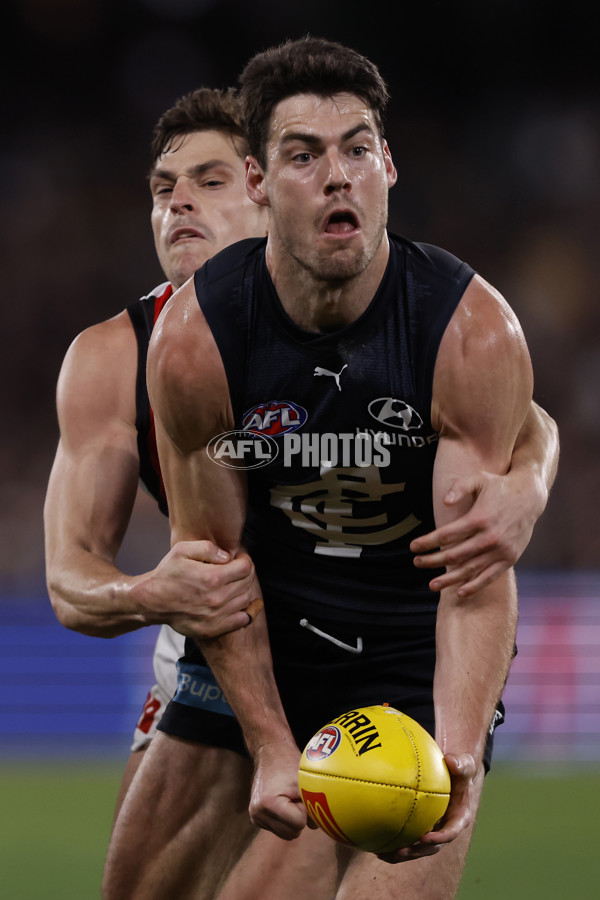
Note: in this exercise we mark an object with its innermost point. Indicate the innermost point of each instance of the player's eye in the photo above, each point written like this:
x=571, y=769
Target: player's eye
x=303, y=157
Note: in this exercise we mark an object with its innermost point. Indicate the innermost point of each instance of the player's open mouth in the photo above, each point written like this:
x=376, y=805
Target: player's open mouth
x=185, y=234
x=342, y=222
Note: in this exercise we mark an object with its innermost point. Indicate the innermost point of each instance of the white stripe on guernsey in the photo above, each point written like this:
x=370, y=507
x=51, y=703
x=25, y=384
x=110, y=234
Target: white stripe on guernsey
x=158, y=291
x=328, y=637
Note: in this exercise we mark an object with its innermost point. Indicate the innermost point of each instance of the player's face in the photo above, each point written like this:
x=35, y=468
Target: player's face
x=327, y=181
x=199, y=203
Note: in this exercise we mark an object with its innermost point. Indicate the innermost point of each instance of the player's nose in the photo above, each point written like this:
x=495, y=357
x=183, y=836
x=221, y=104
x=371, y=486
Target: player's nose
x=337, y=177
x=183, y=195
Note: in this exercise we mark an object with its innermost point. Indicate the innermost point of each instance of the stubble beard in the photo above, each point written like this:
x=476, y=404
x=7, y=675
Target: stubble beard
x=337, y=268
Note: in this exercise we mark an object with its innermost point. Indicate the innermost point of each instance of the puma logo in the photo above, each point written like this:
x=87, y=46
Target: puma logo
x=335, y=375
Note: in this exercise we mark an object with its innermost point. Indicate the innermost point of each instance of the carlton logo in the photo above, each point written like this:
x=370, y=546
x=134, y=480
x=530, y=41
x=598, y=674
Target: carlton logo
x=242, y=450
x=323, y=744
x=275, y=418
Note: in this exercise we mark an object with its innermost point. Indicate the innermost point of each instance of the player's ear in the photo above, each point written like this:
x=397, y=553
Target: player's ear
x=255, y=182
x=389, y=165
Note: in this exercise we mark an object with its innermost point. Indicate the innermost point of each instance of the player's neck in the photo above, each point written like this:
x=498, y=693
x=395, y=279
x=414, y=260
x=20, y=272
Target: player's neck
x=318, y=304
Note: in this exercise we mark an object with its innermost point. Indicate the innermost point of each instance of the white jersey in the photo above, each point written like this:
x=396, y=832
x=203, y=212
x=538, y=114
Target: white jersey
x=168, y=649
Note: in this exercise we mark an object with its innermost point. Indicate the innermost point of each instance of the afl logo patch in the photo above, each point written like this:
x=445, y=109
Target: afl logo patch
x=324, y=743
x=275, y=418
x=395, y=413
x=242, y=450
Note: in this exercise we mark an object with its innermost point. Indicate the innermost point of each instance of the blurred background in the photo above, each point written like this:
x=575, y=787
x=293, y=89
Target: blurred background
x=494, y=126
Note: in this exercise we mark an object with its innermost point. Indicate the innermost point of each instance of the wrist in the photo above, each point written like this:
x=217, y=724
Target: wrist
x=273, y=739
x=137, y=600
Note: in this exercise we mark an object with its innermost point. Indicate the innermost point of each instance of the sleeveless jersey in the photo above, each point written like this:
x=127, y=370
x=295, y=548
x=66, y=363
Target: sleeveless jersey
x=143, y=315
x=340, y=470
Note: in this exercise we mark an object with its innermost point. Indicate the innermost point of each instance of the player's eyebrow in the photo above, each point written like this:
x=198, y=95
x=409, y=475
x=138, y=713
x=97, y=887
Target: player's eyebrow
x=196, y=171
x=314, y=140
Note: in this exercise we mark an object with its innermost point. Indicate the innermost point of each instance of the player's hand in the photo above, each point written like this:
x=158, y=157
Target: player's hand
x=487, y=540
x=461, y=811
x=275, y=804
x=199, y=590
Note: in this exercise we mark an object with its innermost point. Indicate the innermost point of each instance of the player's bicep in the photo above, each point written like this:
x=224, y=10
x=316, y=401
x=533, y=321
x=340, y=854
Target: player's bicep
x=90, y=497
x=206, y=501
x=190, y=396
x=482, y=391
x=94, y=477
x=454, y=459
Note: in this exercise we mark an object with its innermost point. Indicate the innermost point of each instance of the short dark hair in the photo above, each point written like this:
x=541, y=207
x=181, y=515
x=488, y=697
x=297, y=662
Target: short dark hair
x=305, y=66
x=205, y=109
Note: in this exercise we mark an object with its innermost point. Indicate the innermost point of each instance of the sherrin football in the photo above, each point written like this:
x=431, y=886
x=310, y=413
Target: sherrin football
x=373, y=778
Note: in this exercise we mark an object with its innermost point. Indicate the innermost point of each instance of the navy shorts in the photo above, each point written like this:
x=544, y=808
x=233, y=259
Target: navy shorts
x=324, y=666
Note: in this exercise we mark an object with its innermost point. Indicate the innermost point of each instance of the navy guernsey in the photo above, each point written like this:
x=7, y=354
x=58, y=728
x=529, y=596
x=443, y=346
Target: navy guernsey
x=343, y=424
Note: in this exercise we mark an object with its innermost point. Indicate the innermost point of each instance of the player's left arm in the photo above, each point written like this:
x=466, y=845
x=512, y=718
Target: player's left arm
x=482, y=391
x=495, y=530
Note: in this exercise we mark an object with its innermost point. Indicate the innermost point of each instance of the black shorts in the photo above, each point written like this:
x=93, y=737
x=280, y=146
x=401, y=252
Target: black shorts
x=323, y=667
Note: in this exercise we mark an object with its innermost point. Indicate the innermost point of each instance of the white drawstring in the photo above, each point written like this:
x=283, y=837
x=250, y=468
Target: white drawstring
x=328, y=637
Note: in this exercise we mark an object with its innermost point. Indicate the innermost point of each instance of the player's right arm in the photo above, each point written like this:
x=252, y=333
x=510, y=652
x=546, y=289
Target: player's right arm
x=190, y=397
x=89, y=501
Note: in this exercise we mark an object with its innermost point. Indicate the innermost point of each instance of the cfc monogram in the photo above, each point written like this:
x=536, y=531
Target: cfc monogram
x=330, y=510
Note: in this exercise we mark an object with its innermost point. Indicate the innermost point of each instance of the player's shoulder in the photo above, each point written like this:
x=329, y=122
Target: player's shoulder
x=228, y=264
x=108, y=337
x=432, y=260
x=485, y=337
x=99, y=370
x=101, y=361
x=113, y=334
x=484, y=308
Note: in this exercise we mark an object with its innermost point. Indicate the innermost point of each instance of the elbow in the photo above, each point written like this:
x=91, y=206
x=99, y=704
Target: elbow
x=68, y=616
x=75, y=620
x=63, y=610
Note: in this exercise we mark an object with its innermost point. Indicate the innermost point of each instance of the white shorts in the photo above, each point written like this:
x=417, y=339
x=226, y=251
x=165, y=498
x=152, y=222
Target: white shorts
x=169, y=647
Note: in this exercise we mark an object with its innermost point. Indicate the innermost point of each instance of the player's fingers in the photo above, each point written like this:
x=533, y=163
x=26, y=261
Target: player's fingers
x=472, y=578
x=205, y=551
x=456, y=819
x=238, y=571
x=253, y=608
x=224, y=581
x=465, y=486
x=451, y=556
x=461, y=575
x=283, y=817
x=226, y=625
x=238, y=613
x=415, y=851
x=446, y=536
x=490, y=574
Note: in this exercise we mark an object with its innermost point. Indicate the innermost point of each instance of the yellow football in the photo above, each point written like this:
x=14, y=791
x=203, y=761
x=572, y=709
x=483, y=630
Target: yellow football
x=373, y=778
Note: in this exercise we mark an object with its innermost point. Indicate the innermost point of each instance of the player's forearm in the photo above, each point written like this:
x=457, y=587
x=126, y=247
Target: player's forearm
x=92, y=596
x=475, y=641
x=535, y=455
x=243, y=666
